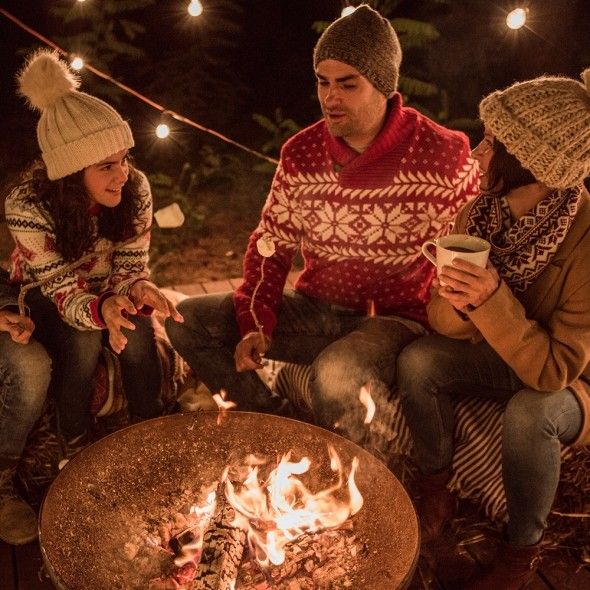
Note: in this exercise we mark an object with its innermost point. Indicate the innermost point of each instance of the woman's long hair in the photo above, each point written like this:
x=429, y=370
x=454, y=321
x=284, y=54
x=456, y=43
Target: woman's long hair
x=505, y=172
x=67, y=202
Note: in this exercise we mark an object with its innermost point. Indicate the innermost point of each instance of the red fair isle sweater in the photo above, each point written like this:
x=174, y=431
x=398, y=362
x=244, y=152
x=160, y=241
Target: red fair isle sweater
x=359, y=219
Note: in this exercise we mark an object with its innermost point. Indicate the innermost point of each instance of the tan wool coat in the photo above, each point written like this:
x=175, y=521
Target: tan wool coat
x=544, y=333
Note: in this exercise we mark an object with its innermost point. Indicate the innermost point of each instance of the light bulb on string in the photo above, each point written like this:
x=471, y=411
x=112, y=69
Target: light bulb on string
x=516, y=18
x=195, y=8
x=347, y=10
x=77, y=63
x=162, y=131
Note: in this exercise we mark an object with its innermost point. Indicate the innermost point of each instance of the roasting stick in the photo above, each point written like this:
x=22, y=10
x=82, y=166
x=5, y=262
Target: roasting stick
x=223, y=547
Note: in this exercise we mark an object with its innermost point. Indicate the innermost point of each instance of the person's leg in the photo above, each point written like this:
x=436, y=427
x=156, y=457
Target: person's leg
x=141, y=372
x=535, y=424
x=24, y=378
x=430, y=371
x=74, y=355
x=25, y=370
x=209, y=335
x=362, y=357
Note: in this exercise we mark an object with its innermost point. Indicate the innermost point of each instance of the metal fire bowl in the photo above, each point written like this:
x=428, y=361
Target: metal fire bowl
x=126, y=478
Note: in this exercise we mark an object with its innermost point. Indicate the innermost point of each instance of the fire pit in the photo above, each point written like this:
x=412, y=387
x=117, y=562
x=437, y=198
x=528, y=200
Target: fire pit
x=123, y=484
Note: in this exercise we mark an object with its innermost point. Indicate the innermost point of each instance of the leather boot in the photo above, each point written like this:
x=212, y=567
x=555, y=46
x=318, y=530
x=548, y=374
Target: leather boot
x=436, y=505
x=18, y=521
x=513, y=569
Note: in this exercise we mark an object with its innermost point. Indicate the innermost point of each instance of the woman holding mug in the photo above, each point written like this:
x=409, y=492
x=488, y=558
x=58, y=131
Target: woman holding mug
x=518, y=330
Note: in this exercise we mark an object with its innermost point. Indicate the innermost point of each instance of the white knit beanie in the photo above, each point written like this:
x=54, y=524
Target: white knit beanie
x=75, y=129
x=545, y=124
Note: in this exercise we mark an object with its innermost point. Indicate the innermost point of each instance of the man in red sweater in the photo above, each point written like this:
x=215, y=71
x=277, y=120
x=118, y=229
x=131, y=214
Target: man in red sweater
x=357, y=193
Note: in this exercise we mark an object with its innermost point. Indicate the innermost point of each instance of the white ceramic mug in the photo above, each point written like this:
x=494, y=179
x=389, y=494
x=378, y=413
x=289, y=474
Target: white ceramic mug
x=471, y=248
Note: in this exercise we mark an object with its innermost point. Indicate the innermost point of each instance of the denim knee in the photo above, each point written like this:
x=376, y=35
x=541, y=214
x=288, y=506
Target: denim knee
x=337, y=376
x=536, y=415
x=205, y=318
x=421, y=366
x=27, y=371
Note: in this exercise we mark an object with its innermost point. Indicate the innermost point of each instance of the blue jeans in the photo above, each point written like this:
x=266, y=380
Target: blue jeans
x=346, y=350
x=25, y=371
x=75, y=354
x=435, y=368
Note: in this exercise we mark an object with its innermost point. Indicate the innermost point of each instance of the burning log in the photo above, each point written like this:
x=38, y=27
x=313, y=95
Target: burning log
x=223, y=548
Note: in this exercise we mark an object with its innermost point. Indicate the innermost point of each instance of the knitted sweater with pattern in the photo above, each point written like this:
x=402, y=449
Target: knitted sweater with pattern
x=77, y=293
x=359, y=219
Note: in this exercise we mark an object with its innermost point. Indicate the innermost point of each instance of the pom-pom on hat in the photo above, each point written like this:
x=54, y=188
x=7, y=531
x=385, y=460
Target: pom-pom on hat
x=75, y=129
x=545, y=124
x=366, y=41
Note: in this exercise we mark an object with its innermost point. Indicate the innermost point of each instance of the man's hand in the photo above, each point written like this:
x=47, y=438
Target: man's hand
x=467, y=285
x=20, y=327
x=144, y=292
x=250, y=350
x=112, y=313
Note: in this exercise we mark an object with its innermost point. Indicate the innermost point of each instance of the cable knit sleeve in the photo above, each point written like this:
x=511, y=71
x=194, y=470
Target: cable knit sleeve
x=130, y=262
x=33, y=232
x=258, y=298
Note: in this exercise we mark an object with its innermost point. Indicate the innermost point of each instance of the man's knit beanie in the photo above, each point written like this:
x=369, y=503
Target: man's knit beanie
x=545, y=124
x=75, y=129
x=367, y=42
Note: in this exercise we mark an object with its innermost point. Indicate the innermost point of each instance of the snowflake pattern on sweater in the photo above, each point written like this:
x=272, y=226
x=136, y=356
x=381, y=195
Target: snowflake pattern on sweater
x=77, y=293
x=359, y=219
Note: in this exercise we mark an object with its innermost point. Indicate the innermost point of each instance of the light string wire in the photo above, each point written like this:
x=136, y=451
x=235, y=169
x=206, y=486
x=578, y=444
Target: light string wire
x=136, y=94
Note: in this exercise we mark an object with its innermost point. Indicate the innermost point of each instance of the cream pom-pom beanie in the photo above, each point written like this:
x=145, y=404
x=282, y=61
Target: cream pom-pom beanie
x=75, y=129
x=545, y=124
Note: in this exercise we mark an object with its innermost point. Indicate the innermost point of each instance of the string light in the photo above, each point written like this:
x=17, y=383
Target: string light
x=516, y=18
x=162, y=131
x=136, y=94
x=347, y=10
x=195, y=8
x=77, y=63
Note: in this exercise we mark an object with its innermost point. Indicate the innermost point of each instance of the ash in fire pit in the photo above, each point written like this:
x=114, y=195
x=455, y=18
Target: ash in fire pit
x=108, y=519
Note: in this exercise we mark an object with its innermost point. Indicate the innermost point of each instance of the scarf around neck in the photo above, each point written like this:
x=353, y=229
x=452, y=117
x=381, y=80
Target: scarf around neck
x=522, y=249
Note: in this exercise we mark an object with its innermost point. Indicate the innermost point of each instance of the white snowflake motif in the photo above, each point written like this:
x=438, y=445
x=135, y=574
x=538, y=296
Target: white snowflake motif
x=334, y=222
x=386, y=225
x=429, y=221
x=282, y=210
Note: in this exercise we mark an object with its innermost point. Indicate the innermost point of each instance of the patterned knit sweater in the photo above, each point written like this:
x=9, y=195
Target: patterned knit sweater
x=77, y=294
x=359, y=219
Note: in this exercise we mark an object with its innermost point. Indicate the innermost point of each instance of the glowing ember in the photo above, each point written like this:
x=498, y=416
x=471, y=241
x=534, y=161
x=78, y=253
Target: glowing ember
x=367, y=401
x=281, y=508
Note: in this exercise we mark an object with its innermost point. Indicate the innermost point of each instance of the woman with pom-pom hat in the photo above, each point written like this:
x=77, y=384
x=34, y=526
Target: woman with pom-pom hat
x=517, y=331
x=85, y=200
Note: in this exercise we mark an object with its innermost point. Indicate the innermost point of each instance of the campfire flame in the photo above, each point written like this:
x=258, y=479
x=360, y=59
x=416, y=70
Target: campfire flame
x=280, y=509
x=223, y=405
x=367, y=401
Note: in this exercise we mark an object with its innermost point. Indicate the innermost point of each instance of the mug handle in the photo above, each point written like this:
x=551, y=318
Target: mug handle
x=425, y=251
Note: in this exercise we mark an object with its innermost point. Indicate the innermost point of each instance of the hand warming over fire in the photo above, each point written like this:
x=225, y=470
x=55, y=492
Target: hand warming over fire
x=112, y=311
x=144, y=292
x=467, y=285
x=19, y=327
x=250, y=350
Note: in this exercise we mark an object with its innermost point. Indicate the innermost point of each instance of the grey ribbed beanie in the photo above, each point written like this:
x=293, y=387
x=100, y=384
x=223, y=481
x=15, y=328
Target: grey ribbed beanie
x=366, y=41
x=75, y=129
x=545, y=124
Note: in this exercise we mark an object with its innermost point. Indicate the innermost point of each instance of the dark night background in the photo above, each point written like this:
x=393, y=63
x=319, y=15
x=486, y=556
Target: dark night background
x=254, y=56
